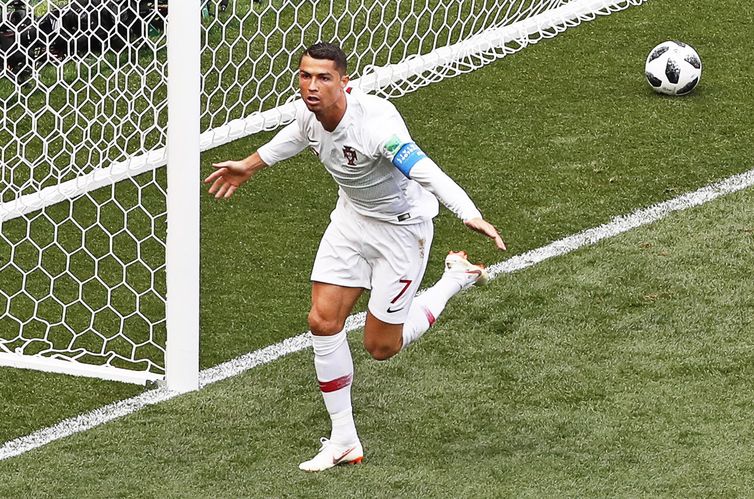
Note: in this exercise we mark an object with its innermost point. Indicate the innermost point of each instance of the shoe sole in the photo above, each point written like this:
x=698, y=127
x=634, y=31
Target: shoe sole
x=357, y=460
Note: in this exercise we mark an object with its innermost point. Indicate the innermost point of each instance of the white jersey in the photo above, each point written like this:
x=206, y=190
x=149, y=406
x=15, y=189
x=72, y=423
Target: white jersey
x=360, y=154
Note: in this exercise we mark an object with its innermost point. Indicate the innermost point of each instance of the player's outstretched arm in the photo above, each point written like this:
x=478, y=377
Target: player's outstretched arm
x=230, y=175
x=487, y=229
x=417, y=166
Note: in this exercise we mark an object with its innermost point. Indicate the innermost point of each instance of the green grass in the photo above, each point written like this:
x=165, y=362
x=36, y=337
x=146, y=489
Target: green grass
x=622, y=369
x=618, y=370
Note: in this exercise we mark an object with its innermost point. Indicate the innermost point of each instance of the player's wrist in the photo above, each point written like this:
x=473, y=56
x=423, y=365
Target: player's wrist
x=252, y=164
x=471, y=215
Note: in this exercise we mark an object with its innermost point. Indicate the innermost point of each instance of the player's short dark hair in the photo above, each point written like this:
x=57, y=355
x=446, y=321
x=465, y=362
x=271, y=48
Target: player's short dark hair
x=329, y=51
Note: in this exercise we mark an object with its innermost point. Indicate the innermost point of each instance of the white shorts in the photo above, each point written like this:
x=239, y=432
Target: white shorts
x=388, y=259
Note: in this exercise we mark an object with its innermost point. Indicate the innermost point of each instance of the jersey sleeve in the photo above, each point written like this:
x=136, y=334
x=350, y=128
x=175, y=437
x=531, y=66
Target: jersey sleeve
x=287, y=143
x=450, y=194
x=394, y=143
x=390, y=133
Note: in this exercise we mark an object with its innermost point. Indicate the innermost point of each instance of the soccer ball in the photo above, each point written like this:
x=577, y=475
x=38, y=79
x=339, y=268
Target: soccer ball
x=673, y=68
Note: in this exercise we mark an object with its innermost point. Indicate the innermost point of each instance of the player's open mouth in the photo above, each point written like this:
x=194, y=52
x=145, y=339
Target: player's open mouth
x=312, y=100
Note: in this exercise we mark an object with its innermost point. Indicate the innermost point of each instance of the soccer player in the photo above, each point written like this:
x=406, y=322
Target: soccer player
x=379, y=235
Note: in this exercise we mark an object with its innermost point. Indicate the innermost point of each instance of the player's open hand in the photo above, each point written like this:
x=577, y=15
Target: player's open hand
x=485, y=228
x=228, y=176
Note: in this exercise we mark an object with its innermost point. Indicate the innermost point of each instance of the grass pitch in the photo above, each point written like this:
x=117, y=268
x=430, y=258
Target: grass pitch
x=619, y=370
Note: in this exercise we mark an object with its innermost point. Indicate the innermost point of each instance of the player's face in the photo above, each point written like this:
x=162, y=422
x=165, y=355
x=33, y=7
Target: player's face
x=320, y=83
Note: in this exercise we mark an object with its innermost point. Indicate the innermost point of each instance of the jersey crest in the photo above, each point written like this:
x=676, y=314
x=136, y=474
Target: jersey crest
x=350, y=154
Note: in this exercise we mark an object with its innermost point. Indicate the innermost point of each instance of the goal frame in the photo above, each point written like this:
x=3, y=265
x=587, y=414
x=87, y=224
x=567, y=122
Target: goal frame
x=182, y=157
x=185, y=142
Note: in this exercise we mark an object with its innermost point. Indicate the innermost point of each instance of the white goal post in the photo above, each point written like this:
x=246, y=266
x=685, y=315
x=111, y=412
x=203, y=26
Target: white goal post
x=99, y=245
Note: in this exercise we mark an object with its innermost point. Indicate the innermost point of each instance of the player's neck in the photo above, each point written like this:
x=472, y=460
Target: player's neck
x=330, y=118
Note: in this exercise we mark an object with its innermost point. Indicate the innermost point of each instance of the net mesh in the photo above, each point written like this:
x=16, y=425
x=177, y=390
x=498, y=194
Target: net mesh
x=83, y=96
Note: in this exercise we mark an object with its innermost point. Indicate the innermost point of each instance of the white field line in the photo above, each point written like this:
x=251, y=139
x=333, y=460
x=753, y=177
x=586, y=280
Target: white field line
x=616, y=226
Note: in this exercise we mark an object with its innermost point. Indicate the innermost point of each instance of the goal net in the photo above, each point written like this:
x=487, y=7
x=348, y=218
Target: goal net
x=83, y=136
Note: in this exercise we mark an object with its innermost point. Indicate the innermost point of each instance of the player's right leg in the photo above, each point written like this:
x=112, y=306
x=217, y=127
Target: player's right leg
x=331, y=305
x=338, y=278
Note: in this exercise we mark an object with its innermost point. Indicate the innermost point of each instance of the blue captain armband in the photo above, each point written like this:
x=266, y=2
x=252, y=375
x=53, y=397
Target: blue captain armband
x=407, y=156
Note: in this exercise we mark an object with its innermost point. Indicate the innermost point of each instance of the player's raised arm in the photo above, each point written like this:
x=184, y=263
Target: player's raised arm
x=230, y=175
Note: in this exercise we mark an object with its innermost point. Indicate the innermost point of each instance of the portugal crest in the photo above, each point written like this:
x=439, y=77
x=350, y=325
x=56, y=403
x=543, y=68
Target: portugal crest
x=350, y=154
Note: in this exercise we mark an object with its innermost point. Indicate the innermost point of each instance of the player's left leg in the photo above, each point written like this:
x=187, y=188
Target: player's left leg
x=426, y=308
x=383, y=340
x=398, y=257
x=396, y=316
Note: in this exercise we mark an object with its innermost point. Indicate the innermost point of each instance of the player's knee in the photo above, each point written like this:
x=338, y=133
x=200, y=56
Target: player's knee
x=380, y=350
x=321, y=325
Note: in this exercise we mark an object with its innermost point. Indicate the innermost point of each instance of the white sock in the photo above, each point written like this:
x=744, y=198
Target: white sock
x=427, y=307
x=334, y=367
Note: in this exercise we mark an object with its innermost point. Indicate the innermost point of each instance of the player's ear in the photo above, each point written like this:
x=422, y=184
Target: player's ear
x=344, y=81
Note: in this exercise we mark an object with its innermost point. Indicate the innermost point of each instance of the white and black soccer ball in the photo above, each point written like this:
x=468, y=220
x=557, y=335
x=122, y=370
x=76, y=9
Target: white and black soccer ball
x=673, y=68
